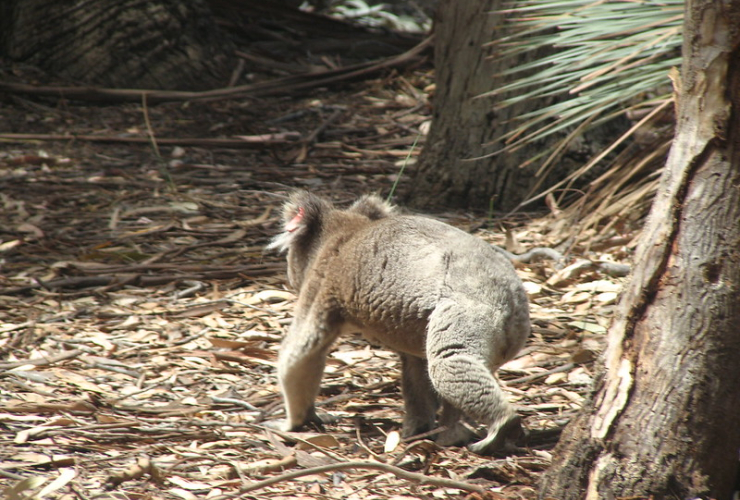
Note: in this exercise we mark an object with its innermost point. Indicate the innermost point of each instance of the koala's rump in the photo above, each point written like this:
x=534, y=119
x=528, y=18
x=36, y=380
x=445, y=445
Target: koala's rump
x=397, y=270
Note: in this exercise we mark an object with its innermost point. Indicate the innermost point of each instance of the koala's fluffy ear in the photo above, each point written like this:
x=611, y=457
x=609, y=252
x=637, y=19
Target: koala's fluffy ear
x=303, y=215
x=372, y=207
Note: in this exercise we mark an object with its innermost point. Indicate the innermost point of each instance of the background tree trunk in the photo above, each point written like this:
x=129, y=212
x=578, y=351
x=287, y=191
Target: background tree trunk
x=451, y=171
x=663, y=420
x=162, y=44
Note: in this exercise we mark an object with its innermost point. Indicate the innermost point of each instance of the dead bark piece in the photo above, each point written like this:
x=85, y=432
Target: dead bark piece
x=142, y=467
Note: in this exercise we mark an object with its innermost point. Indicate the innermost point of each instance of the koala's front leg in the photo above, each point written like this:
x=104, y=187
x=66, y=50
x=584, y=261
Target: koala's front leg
x=301, y=365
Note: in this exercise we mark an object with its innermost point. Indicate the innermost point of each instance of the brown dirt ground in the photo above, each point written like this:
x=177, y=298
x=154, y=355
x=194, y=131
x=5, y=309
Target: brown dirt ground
x=140, y=318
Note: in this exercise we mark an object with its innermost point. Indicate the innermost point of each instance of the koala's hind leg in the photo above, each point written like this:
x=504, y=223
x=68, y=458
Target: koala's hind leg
x=421, y=404
x=455, y=432
x=300, y=368
x=462, y=339
x=420, y=400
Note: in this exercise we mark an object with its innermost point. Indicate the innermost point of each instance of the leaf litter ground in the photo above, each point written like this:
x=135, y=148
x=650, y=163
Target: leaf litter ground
x=140, y=318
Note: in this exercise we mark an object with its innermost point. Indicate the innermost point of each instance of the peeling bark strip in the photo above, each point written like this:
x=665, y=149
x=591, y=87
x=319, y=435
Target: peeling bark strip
x=658, y=423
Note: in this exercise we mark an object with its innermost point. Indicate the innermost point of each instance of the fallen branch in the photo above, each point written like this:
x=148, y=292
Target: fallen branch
x=280, y=86
x=245, y=141
x=184, y=269
x=537, y=253
x=581, y=266
x=78, y=407
x=396, y=471
x=119, y=280
x=46, y=361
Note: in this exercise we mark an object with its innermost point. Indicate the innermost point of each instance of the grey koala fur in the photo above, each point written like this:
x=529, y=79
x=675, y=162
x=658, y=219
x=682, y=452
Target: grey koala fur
x=451, y=305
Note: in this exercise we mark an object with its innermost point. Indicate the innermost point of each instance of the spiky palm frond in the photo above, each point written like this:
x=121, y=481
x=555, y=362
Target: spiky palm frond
x=609, y=55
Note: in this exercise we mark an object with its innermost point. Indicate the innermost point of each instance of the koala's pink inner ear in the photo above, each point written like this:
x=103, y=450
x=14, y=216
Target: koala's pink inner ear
x=295, y=221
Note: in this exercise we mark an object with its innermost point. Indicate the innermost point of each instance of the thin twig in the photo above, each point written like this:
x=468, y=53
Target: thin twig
x=563, y=368
x=149, y=130
x=313, y=136
x=233, y=401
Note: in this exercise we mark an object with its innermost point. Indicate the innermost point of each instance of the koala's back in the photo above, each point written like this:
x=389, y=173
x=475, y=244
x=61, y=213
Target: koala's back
x=396, y=270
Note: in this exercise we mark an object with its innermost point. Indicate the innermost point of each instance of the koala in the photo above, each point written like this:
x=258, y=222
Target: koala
x=450, y=304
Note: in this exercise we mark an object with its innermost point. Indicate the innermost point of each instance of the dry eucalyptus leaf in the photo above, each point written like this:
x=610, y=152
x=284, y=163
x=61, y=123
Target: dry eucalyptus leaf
x=392, y=440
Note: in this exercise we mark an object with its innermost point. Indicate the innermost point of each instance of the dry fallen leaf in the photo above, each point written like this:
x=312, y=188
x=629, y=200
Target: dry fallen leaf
x=106, y=260
x=392, y=440
x=322, y=440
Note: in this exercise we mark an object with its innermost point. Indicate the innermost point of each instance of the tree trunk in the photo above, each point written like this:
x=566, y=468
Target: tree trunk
x=663, y=421
x=162, y=44
x=452, y=169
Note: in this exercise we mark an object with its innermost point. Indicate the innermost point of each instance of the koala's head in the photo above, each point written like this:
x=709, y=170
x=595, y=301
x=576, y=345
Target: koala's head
x=309, y=220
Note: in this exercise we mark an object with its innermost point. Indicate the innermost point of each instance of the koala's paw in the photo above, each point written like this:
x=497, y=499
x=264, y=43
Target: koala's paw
x=319, y=419
x=278, y=425
x=456, y=435
x=314, y=419
x=500, y=441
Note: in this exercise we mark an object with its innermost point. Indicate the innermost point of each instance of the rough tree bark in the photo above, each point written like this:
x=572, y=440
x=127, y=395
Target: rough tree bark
x=462, y=123
x=465, y=127
x=663, y=420
x=162, y=44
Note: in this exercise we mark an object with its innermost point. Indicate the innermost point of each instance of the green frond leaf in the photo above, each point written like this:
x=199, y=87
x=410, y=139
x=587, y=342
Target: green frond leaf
x=608, y=55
